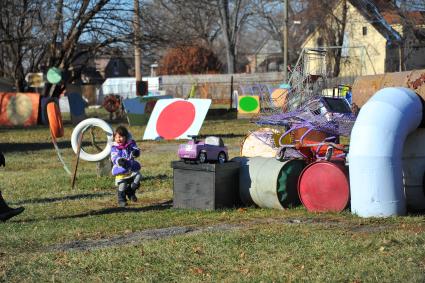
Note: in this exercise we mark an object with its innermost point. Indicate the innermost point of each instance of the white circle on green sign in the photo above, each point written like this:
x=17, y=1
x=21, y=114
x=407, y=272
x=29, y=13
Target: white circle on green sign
x=54, y=75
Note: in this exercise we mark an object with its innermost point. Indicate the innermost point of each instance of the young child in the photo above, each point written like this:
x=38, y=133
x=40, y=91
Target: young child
x=125, y=169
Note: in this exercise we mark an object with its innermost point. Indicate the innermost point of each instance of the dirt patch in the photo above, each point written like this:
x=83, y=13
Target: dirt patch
x=155, y=234
x=136, y=237
x=131, y=238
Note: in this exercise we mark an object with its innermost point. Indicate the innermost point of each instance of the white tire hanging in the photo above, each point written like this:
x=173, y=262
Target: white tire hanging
x=83, y=126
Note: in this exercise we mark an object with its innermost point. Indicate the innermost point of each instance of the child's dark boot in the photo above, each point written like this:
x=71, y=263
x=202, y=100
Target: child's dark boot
x=132, y=192
x=122, y=202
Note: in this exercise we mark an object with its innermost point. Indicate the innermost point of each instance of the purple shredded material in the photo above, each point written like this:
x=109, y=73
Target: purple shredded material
x=311, y=118
x=307, y=116
x=300, y=107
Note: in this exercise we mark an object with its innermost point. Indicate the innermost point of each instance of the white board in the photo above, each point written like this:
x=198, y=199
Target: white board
x=176, y=118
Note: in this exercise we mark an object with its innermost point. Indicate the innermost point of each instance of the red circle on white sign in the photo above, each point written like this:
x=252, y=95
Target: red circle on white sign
x=175, y=119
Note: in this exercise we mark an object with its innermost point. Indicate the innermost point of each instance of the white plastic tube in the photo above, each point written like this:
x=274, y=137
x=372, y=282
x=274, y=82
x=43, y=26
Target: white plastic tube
x=81, y=128
x=375, y=157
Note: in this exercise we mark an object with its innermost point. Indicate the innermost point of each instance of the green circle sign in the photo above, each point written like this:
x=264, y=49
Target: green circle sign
x=54, y=75
x=248, y=103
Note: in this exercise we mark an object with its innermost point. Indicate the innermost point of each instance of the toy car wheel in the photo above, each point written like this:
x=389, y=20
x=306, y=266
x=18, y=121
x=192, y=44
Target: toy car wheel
x=221, y=157
x=202, y=157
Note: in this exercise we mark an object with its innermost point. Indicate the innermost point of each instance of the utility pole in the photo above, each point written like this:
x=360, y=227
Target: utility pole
x=137, y=52
x=285, y=39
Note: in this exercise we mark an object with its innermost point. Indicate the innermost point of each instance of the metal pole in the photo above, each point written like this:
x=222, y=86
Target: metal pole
x=137, y=52
x=285, y=40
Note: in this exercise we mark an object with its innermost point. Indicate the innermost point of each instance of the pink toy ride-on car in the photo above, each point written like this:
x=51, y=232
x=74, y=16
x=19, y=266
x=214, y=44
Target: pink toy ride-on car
x=211, y=149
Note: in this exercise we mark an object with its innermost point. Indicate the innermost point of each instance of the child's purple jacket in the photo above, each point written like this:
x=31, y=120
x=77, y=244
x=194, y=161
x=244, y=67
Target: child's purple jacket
x=126, y=151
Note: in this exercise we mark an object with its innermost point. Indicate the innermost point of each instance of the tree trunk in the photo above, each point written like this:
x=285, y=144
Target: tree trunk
x=223, y=8
x=230, y=60
x=340, y=40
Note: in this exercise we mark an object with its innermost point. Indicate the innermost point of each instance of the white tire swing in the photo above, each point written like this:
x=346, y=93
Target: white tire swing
x=79, y=131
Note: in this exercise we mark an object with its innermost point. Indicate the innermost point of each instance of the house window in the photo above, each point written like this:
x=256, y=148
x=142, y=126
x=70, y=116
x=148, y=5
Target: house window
x=320, y=42
x=364, y=31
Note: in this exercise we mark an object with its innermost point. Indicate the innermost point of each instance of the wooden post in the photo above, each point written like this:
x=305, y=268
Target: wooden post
x=137, y=52
x=74, y=175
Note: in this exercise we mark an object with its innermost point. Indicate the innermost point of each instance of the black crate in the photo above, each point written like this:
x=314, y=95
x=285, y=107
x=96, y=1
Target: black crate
x=205, y=186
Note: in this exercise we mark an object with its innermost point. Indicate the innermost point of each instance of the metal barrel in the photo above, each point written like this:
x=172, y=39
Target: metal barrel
x=324, y=186
x=269, y=183
x=252, y=146
x=413, y=169
x=366, y=86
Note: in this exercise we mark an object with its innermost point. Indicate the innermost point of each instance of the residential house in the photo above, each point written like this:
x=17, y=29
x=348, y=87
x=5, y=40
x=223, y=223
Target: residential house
x=91, y=70
x=267, y=57
x=115, y=66
x=93, y=67
x=411, y=26
x=373, y=40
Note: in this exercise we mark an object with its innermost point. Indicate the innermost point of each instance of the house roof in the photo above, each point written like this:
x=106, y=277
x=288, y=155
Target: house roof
x=373, y=11
x=393, y=15
x=394, y=18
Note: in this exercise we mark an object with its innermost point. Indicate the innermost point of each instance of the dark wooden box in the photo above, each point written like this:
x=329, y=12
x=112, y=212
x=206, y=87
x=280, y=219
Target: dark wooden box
x=205, y=186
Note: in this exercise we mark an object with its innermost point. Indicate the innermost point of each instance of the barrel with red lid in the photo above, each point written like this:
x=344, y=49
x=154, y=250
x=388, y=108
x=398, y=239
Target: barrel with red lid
x=324, y=186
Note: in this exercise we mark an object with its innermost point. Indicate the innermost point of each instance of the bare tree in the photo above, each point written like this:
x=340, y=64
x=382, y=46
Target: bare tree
x=270, y=20
x=199, y=19
x=335, y=35
x=19, y=44
x=36, y=35
x=201, y=22
x=171, y=23
x=233, y=16
x=85, y=27
x=412, y=22
x=322, y=16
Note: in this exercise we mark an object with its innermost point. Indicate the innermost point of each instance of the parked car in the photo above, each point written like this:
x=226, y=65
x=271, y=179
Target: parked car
x=211, y=149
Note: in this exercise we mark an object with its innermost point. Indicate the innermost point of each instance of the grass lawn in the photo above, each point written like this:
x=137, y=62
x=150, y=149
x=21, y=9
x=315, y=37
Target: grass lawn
x=74, y=235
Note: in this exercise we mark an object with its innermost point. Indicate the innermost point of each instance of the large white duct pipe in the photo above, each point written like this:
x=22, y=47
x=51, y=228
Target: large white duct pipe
x=376, y=145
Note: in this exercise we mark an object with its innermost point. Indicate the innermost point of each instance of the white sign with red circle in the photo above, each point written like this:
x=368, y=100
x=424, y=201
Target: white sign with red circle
x=176, y=118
